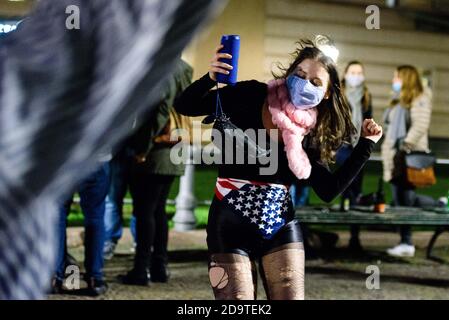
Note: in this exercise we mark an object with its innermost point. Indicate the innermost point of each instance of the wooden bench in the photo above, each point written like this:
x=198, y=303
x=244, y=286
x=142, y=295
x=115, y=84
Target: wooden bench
x=396, y=216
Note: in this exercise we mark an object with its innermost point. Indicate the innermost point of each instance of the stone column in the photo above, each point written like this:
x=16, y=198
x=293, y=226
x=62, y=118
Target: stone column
x=186, y=202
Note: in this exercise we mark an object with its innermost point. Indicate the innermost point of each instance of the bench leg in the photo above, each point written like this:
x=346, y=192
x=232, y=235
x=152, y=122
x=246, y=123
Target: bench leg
x=432, y=241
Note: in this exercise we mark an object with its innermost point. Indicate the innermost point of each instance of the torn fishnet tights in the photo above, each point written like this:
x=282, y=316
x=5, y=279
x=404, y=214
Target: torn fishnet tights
x=283, y=273
x=234, y=276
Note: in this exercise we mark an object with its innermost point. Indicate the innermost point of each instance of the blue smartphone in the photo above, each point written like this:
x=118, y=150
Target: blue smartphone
x=231, y=45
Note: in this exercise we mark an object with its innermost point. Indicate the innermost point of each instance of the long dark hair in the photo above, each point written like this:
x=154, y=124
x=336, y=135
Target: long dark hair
x=334, y=123
x=366, y=100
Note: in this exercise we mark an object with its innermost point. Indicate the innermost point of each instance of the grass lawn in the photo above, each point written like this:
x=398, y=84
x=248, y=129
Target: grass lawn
x=205, y=181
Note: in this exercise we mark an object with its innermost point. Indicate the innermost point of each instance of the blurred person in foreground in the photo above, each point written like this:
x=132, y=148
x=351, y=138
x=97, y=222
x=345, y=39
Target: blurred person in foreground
x=67, y=94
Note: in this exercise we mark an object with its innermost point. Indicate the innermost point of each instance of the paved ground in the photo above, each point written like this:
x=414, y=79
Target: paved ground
x=333, y=275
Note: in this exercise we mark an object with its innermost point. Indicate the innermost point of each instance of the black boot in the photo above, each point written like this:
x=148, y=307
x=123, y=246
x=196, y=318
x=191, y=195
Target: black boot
x=96, y=287
x=135, y=278
x=159, y=272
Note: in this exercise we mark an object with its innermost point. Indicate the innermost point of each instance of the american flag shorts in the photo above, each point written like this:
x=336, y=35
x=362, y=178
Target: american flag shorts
x=263, y=205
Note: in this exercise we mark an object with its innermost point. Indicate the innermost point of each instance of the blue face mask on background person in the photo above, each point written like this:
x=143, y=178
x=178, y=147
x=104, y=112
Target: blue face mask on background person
x=397, y=87
x=303, y=94
x=354, y=80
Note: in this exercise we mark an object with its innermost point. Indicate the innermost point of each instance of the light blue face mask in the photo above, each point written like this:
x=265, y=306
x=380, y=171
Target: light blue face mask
x=354, y=80
x=397, y=87
x=303, y=94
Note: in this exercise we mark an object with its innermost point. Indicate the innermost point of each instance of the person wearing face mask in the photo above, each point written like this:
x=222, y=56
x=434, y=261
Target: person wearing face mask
x=251, y=217
x=359, y=98
x=407, y=120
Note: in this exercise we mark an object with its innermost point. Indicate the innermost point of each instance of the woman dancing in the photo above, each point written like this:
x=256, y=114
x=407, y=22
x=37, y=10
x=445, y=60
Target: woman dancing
x=251, y=217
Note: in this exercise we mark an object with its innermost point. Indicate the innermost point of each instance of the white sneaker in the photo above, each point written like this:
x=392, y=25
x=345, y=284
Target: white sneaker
x=442, y=202
x=402, y=250
x=109, y=250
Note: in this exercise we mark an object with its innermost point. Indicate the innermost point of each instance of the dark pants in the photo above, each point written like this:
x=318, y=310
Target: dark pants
x=92, y=192
x=354, y=190
x=150, y=193
x=406, y=196
x=121, y=166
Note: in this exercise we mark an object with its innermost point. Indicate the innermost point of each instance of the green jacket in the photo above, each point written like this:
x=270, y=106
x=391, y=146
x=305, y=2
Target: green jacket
x=158, y=155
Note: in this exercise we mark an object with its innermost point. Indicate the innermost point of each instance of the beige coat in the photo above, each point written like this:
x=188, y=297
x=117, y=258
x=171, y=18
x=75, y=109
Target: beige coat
x=417, y=135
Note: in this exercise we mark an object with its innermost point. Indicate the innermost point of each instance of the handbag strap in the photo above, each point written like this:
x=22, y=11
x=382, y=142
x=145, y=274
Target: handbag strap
x=218, y=107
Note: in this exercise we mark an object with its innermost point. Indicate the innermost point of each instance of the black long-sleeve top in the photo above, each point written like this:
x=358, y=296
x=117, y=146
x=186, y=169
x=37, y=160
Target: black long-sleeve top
x=243, y=104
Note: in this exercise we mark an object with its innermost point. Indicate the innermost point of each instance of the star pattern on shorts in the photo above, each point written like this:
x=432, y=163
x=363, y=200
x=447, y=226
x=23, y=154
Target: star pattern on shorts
x=265, y=206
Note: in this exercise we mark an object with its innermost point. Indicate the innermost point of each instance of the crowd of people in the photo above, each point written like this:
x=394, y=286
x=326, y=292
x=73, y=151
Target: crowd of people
x=406, y=121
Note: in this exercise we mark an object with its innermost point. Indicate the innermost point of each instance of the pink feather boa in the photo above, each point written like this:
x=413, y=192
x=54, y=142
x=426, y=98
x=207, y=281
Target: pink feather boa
x=294, y=124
